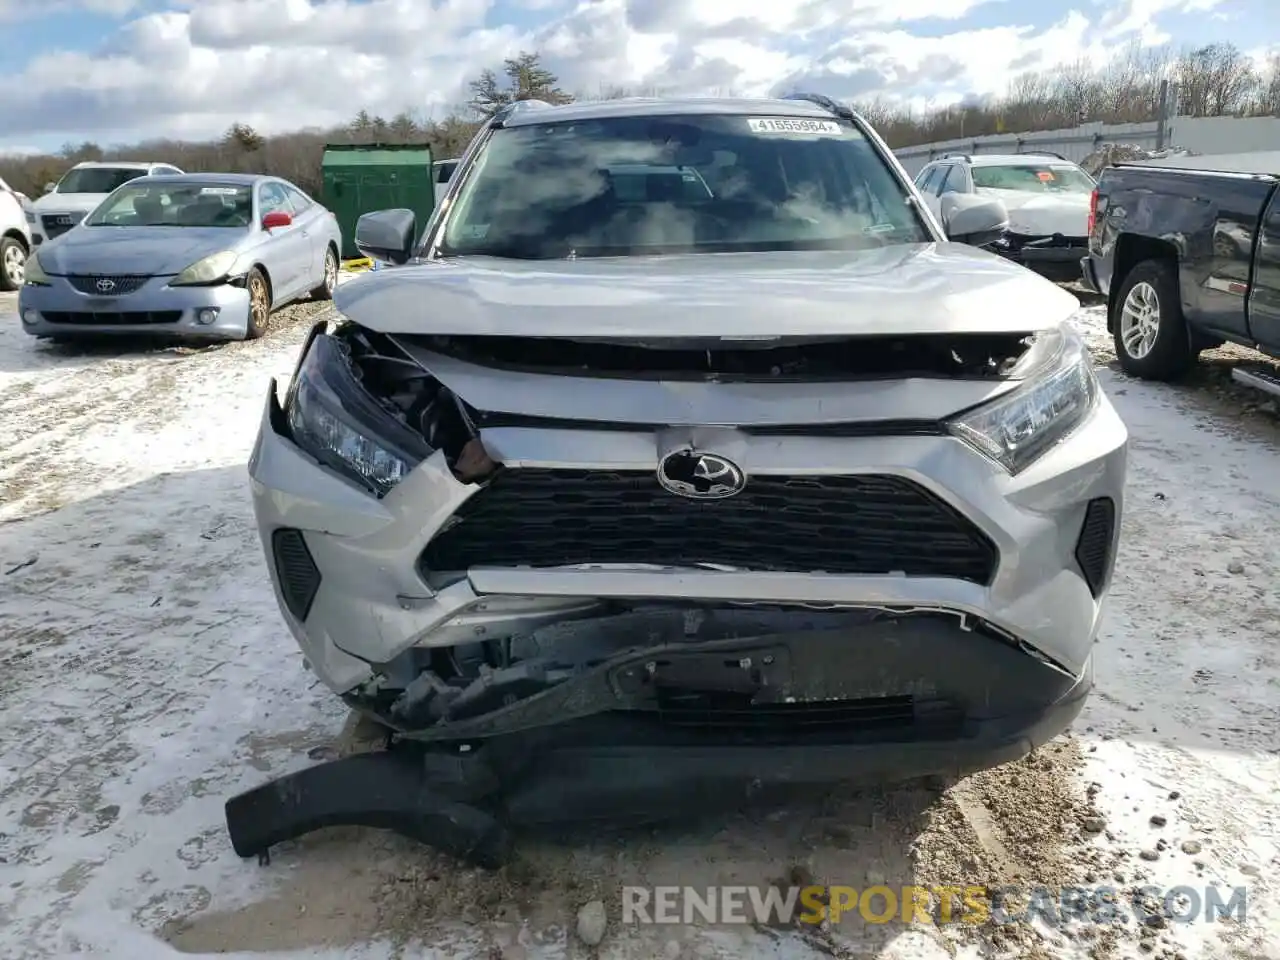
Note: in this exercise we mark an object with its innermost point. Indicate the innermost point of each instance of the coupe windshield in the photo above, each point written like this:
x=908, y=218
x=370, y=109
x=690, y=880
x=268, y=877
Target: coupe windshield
x=175, y=205
x=97, y=179
x=648, y=185
x=1038, y=178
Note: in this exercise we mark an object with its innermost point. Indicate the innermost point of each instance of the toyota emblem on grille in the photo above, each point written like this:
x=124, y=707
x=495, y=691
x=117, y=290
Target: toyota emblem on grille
x=105, y=285
x=700, y=476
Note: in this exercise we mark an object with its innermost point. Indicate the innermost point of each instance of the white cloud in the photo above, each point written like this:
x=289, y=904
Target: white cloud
x=11, y=10
x=285, y=64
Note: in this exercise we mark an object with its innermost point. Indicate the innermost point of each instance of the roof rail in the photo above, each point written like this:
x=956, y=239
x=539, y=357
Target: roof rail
x=825, y=102
x=952, y=156
x=1043, y=153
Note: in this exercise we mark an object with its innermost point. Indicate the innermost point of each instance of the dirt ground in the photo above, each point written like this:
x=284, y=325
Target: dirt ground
x=145, y=677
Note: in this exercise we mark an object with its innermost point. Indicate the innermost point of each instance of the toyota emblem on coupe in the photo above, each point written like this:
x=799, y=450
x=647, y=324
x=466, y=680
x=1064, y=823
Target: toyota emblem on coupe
x=105, y=285
x=700, y=476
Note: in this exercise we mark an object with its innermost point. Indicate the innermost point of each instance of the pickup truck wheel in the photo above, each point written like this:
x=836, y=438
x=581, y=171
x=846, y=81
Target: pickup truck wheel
x=1150, y=332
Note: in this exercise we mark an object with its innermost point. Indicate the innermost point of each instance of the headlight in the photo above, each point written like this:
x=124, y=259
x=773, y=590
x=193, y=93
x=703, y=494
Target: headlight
x=1021, y=426
x=333, y=418
x=30, y=215
x=208, y=270
x=35, y=274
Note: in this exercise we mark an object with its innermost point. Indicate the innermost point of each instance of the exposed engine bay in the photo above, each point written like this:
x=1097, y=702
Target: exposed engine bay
x=403, y=388
x=780, y=358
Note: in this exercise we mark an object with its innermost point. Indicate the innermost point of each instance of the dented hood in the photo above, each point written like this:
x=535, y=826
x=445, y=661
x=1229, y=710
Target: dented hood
x=903, y=289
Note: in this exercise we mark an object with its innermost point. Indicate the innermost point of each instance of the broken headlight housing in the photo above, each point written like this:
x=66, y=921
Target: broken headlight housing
x=1060, y=391
x=333, y=418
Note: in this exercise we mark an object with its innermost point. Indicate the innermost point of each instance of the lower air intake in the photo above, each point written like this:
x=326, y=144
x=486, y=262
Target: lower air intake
x=1097, y=540
x=299, y=577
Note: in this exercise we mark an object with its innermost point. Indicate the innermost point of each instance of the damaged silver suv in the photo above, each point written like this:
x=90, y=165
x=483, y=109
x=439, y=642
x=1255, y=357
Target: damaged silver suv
x=684, y=451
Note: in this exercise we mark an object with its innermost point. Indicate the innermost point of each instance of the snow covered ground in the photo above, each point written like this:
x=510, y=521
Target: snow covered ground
x=145, y=676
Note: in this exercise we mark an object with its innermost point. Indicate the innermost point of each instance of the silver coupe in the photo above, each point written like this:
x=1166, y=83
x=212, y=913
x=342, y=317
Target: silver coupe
x=200, y=255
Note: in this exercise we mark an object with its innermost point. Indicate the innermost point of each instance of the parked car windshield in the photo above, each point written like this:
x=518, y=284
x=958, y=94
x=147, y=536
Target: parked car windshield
x=175, y=205
x=97, y=179
x=1036, y=177
x=645, y=185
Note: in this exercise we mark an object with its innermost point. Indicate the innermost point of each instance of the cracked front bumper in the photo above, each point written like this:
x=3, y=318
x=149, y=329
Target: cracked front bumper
x=369, y=602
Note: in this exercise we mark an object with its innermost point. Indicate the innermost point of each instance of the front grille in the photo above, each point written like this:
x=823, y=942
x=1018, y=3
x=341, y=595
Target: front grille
x=884, y=718
x=297, y=572
x=833, y=524
x=106, y=286
x=1097, y=537
x=112, y=318
x=56, y=224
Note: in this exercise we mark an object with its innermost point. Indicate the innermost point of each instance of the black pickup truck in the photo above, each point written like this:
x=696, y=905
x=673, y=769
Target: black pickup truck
x=1189, y=258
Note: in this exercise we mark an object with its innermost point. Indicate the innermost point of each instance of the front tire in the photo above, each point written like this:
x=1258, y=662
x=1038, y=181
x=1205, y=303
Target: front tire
x=13, y=263
x=1148, y=327
x=330, y=281
x=259, y=303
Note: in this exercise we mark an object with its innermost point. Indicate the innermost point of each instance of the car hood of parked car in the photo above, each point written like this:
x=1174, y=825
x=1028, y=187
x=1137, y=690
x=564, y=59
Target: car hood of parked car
x=902, y=289
x=68, y=202
x=141, y=251
x=1043, y=214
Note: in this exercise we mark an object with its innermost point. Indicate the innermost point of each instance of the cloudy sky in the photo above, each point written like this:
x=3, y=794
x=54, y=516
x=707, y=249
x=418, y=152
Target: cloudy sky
x=116, y=70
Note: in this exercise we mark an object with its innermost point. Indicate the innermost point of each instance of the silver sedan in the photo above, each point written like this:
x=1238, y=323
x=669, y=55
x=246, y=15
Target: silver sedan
x=200, y=255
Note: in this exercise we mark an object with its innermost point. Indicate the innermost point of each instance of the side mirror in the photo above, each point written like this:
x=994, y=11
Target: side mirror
x=50, y=187
x=387, y=235
x=973, y=219
x=276, y=218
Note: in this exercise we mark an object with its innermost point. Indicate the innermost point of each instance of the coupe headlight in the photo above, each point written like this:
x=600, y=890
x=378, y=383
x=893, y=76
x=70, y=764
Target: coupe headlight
x=333, y=418
x=35, y=274
x=1018, y=428
x=209, y=270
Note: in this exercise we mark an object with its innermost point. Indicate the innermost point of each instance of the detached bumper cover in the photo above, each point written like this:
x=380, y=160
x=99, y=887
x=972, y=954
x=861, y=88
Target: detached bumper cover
x=638, y=766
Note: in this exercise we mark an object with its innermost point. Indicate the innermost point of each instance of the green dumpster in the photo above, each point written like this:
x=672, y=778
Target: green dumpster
x=361, y=178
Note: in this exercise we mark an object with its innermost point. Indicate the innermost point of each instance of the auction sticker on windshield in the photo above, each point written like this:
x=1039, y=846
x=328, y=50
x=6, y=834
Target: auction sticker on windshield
x=827, y=128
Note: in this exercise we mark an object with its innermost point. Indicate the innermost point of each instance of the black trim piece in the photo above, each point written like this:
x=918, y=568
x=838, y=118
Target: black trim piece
x=1096, y=543
x=486, y=420
x=297, y=573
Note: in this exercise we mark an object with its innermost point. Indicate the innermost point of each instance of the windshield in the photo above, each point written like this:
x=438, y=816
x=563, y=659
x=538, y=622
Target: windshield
x=182, y=204
x=97, y=179
x=648, y=185
x=1035, y=177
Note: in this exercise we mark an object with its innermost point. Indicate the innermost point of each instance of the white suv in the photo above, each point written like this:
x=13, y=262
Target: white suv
x=1047, y=197
x=79, y=192
x=15, y=238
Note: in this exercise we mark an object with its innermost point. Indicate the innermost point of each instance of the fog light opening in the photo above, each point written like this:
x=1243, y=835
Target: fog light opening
x=206, y=315
x=30, y=317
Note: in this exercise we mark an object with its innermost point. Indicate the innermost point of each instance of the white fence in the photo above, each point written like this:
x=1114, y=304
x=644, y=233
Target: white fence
x=1206, y=136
